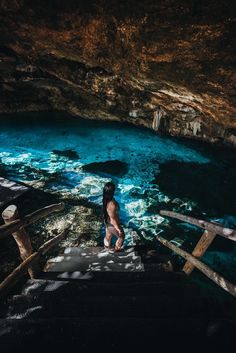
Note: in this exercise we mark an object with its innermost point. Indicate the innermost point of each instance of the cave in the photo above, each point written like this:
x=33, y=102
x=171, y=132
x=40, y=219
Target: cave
x=137, y=97
x=166, y=65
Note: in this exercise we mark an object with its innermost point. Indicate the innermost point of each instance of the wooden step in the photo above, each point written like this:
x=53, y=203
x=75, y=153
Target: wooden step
x=74, y=265
x=99, y=259
x=35, y=287
x=86, y=334
x=119, y=277
x=46, y=306
x=95, y=250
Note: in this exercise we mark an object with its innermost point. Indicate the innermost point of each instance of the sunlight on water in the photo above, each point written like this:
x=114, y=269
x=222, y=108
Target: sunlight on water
x=56, y=152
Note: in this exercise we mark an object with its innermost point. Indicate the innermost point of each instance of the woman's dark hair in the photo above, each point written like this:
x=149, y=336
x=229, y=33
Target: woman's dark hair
x=108, y=193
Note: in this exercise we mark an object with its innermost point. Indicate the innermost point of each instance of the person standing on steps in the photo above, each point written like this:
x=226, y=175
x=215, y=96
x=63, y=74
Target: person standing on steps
x=111, y=217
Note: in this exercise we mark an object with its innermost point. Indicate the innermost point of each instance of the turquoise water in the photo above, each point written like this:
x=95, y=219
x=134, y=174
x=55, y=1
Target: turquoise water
x=159, y=173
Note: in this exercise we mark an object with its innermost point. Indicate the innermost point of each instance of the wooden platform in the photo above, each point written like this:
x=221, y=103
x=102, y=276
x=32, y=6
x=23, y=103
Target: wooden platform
x=10, y=190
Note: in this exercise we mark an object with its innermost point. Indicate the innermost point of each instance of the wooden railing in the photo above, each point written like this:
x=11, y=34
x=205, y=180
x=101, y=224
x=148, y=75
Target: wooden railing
x=210, y=226
x=16, y=226
x=211, y=229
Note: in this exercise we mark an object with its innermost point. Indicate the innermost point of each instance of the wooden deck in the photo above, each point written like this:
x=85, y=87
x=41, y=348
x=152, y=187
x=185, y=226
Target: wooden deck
x=10, y=190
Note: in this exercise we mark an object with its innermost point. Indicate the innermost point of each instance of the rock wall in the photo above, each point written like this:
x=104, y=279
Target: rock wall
x=168, y=65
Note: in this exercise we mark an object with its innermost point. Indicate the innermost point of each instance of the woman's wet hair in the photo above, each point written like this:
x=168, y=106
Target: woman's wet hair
x=108, y=194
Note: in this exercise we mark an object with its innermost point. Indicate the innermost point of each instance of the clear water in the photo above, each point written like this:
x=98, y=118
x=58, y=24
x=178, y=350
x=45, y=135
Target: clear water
x=26, y=153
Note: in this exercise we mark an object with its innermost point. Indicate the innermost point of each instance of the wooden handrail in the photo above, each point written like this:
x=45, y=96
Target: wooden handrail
x=212, y=227
x=203, y=244
x=19, y=271
x=214, y=276
x=8, y=229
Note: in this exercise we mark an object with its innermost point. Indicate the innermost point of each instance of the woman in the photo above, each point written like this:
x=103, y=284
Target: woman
x=111, y=217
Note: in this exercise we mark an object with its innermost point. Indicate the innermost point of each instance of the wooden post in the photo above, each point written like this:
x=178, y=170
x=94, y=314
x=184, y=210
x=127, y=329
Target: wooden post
x=21, y=237
x=18, y=272
x=200, y=249
x=33, y=217
x=214, y=276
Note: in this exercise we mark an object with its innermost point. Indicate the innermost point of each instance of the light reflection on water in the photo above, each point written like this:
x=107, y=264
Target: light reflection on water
x=26, y=153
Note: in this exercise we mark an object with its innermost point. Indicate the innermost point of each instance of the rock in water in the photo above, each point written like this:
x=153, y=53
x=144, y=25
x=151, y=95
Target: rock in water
x=199, y=182
x=114, y=167
x=66, y=153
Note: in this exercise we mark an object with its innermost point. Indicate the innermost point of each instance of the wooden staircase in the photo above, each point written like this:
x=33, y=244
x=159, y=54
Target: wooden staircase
x=91, y=297
x=95, y=259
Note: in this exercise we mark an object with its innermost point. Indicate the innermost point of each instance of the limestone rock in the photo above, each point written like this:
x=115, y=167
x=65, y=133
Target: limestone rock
x=166, y=65
x=114, y=167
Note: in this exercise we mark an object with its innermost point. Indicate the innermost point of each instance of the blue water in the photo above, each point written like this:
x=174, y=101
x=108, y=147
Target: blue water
x=26, y=154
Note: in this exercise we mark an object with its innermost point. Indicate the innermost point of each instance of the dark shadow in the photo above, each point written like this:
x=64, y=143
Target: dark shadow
x=70, y=154
x=113, y=167
x=211, y=186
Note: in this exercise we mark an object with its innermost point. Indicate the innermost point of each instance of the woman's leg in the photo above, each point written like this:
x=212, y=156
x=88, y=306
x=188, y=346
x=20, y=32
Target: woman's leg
x=120, y=238
x=119, y=241
x=107, y=238
x=110, y=230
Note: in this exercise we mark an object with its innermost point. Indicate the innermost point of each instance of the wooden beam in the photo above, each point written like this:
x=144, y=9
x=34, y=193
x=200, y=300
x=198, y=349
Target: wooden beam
x=212, y=227
x=214, y=276
x=7, y=229
x=200, y=249
x=18, y=272
x=21, y=237
x=52, y=242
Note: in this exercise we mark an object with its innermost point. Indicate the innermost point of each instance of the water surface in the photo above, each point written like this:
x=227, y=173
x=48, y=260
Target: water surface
x=158, y=172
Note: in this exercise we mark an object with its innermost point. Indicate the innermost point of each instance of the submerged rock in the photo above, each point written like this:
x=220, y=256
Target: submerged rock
x=211, y=186
x=114, y=167
x=66, y=153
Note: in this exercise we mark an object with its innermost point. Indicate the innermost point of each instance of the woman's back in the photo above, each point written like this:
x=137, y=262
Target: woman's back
x=112, y=210
x=111, y=217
